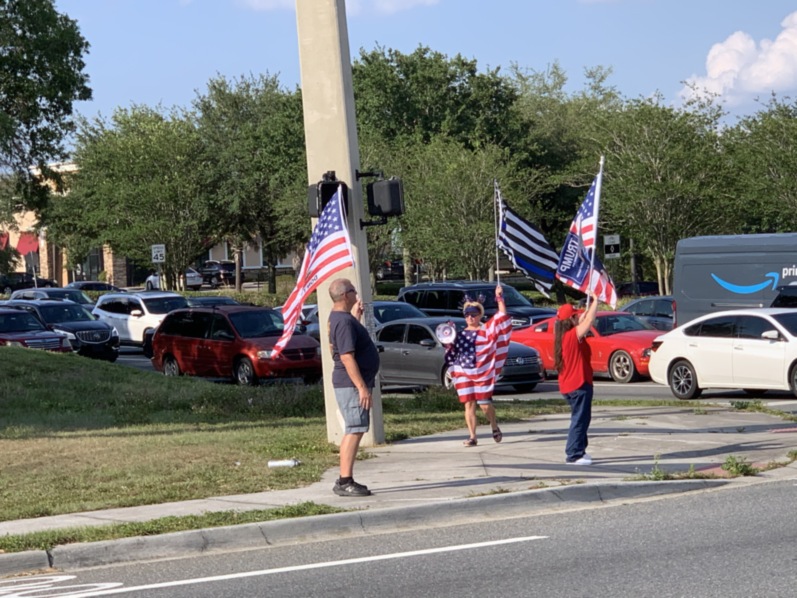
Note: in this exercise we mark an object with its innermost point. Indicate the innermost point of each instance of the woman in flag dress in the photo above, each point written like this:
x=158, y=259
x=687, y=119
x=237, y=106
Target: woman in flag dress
x=475, y=359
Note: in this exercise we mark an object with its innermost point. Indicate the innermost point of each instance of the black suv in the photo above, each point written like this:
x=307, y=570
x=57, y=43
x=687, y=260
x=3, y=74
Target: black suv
x=14, y=281
x=216, y=273
x=787, y=297
x=447, y=298
x=88, y=335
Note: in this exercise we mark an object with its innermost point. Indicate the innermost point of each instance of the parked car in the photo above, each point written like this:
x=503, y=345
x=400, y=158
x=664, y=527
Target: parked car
x=211, y=300
x=216, y=273
x=232, y=341
x=193, y=279
x=786, y=297
x=390, y=270
x=447, y=298
x=94, y=285
x=73, y=295
x=384, y=311
x=656, y=311
x=413, y=356
x=22, y=280
x=637, y=289
x=87, y=334
x=136, y=315
x=19, y=328
x=751, y=349
x=620, y=344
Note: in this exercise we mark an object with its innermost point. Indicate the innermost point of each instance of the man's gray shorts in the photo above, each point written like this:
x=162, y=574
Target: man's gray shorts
x=355, y=418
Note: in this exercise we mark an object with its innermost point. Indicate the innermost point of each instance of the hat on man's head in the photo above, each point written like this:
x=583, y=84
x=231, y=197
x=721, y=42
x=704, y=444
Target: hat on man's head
x=566, y=311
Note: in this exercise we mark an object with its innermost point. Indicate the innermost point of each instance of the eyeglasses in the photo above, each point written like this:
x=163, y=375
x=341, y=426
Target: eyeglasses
x=473, y=314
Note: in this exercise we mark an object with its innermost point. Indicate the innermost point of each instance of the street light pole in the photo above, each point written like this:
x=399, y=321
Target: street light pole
x=330, y=132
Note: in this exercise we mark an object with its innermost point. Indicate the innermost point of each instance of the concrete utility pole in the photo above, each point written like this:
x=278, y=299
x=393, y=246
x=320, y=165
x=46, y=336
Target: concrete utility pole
x=330, y=132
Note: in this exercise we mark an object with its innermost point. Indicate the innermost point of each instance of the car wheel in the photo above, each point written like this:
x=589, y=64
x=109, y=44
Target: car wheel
x=199, y=288
x=171, y=367
x=148, y=344
x=314, y=379
x=244, y=372
x=525, y=387
x=112, y=358
x=215, y=282
x=793, y=379
x=621, y=367
x=683, y=381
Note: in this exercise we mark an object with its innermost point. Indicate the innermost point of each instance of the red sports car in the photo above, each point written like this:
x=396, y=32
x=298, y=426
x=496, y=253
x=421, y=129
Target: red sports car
x=620, y=344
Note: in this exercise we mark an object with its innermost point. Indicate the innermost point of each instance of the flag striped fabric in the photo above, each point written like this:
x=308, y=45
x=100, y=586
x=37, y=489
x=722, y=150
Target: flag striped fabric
x=578, y=266
x=526, y=246
x=475, y=368
x=328, y=252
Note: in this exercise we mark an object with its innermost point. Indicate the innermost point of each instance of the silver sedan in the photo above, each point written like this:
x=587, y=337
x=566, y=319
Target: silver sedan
x=412, y=356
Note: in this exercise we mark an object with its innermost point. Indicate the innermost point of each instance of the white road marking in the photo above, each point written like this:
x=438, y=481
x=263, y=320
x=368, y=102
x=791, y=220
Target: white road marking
x=366, y=559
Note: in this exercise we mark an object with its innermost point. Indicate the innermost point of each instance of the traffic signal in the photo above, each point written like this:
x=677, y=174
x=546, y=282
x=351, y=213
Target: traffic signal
x=318, y=195
x=385, y=197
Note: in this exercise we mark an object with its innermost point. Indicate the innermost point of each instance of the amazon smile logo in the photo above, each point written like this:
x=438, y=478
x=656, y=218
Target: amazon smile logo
x=772, y=279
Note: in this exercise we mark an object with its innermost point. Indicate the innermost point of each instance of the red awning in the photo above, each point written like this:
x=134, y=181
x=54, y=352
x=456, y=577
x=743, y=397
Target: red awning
x=3, y=240
x=28, y=243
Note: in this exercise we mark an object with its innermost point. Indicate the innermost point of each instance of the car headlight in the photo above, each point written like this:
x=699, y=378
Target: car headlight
x=646, y=353
x=14, y=344
x=70, y=335
x=265, y=354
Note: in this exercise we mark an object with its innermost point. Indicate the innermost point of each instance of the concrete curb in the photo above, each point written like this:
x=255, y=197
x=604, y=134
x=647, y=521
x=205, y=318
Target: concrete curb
x=321, y=527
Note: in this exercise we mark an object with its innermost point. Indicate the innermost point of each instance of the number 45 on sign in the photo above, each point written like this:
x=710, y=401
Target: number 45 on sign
x=158, y=254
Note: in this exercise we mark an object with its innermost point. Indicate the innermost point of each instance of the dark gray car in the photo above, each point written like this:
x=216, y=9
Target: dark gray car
x=384, y=311
x=412, y=356
x=656, y=311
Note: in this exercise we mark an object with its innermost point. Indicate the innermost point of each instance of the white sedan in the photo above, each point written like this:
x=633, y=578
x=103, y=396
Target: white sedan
x=750, y=349
x=193, y=281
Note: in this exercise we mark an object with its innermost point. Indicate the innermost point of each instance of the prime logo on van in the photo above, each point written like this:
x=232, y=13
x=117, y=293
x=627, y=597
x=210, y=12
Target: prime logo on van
x=751, y=288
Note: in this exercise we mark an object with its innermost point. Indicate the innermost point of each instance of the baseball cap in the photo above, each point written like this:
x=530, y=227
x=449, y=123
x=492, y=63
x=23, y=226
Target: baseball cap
x=566, y=311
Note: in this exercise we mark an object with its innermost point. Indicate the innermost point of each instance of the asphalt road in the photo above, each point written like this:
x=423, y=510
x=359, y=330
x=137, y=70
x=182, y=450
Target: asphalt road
x=729, y=543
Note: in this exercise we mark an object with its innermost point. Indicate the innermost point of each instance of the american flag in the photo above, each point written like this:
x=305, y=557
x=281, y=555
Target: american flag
x=526, y=246
x=329, y=251
x=579, y=267
x=474, y=366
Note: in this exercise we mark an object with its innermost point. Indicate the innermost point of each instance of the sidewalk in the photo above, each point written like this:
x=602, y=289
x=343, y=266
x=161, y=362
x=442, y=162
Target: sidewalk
x=435, y=480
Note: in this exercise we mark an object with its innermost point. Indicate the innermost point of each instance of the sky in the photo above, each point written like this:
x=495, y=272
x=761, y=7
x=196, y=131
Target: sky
x=164, y=52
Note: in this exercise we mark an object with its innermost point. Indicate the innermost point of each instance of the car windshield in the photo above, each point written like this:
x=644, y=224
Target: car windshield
x=73, y=295
x=19, y=322
x=388, y=313
x=55, y=314
x=256, y=323
x=512, y=297
x=788, y=321
x=163, y=305
x=616, y=323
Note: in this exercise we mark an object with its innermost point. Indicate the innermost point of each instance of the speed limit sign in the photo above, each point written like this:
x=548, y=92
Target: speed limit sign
x=158, y=254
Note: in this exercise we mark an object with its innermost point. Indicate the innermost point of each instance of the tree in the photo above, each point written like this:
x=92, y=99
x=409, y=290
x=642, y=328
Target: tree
x=253, y=142
x=763, y=149
x=665, y=178
x=41, y=76
x=137, y=185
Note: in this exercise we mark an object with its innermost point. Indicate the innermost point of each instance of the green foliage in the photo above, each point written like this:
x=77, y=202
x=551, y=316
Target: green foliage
x=41, y=76
x=254, y=172
x=738, y=466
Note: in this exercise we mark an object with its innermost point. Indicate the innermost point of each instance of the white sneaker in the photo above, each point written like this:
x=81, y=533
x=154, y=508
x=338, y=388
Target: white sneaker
x=585, y=459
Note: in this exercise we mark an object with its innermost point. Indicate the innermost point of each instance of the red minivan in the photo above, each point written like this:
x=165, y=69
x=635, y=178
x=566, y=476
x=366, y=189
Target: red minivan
x=232, y=341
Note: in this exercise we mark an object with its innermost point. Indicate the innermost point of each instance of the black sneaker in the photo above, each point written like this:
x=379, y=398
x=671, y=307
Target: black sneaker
x=350, y=489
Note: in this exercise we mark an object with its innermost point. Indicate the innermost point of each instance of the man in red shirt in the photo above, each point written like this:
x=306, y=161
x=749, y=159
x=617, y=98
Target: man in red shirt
x=572, y=355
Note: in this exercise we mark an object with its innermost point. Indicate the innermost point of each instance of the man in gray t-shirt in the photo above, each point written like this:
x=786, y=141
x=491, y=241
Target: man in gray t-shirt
x=356, y=366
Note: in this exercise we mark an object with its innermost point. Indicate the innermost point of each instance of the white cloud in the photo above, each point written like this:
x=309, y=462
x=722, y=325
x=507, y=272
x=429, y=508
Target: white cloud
x=353, y=7
x=739, y=68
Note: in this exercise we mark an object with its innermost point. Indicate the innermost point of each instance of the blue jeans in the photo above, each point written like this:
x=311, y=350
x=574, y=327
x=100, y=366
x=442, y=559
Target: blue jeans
x=580, y=417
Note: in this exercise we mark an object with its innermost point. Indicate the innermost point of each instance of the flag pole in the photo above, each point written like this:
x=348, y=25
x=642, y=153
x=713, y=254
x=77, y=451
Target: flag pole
x=496, y=196
x=597, y=216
